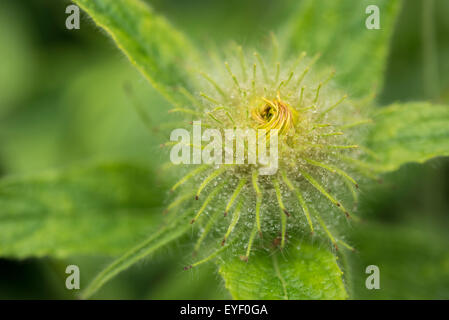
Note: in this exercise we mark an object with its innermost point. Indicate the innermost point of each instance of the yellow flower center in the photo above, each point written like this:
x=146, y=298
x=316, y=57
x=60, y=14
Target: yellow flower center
x=274, y=114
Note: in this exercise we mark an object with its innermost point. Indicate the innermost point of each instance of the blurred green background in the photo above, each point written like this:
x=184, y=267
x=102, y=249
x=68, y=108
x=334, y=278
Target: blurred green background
x=62, y=102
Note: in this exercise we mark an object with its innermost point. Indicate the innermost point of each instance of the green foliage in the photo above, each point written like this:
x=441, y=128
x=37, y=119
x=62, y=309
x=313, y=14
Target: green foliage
x=159, y=51
x=168, y=233
x=16, y=55
x=97, y=121
x=128, y=23
x=203, y=284
x=336, y=29
x=108, y=208
x=302, y=271
x=101, y=209
x=413, y=262
x=413, y=132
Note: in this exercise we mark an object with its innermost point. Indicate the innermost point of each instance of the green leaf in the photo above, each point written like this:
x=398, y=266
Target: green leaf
x=413, y=261
x=170, y=232
x=157, y=49
x=17, y=49
x=101, y=209
x=36, y=138
x=413, y=132
x=177, y=285
x=337, y=30
x=302, y=271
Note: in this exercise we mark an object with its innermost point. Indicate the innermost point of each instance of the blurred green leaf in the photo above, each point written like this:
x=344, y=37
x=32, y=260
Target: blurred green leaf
x=413, y=262
x=337, y=30
x=171, y=231
x=158, y=50
x=302, y=271
x=96, y=121
x=156, y=241
x=100, y=209
x=203, y=283
x=413, y=132
x=16, y=55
